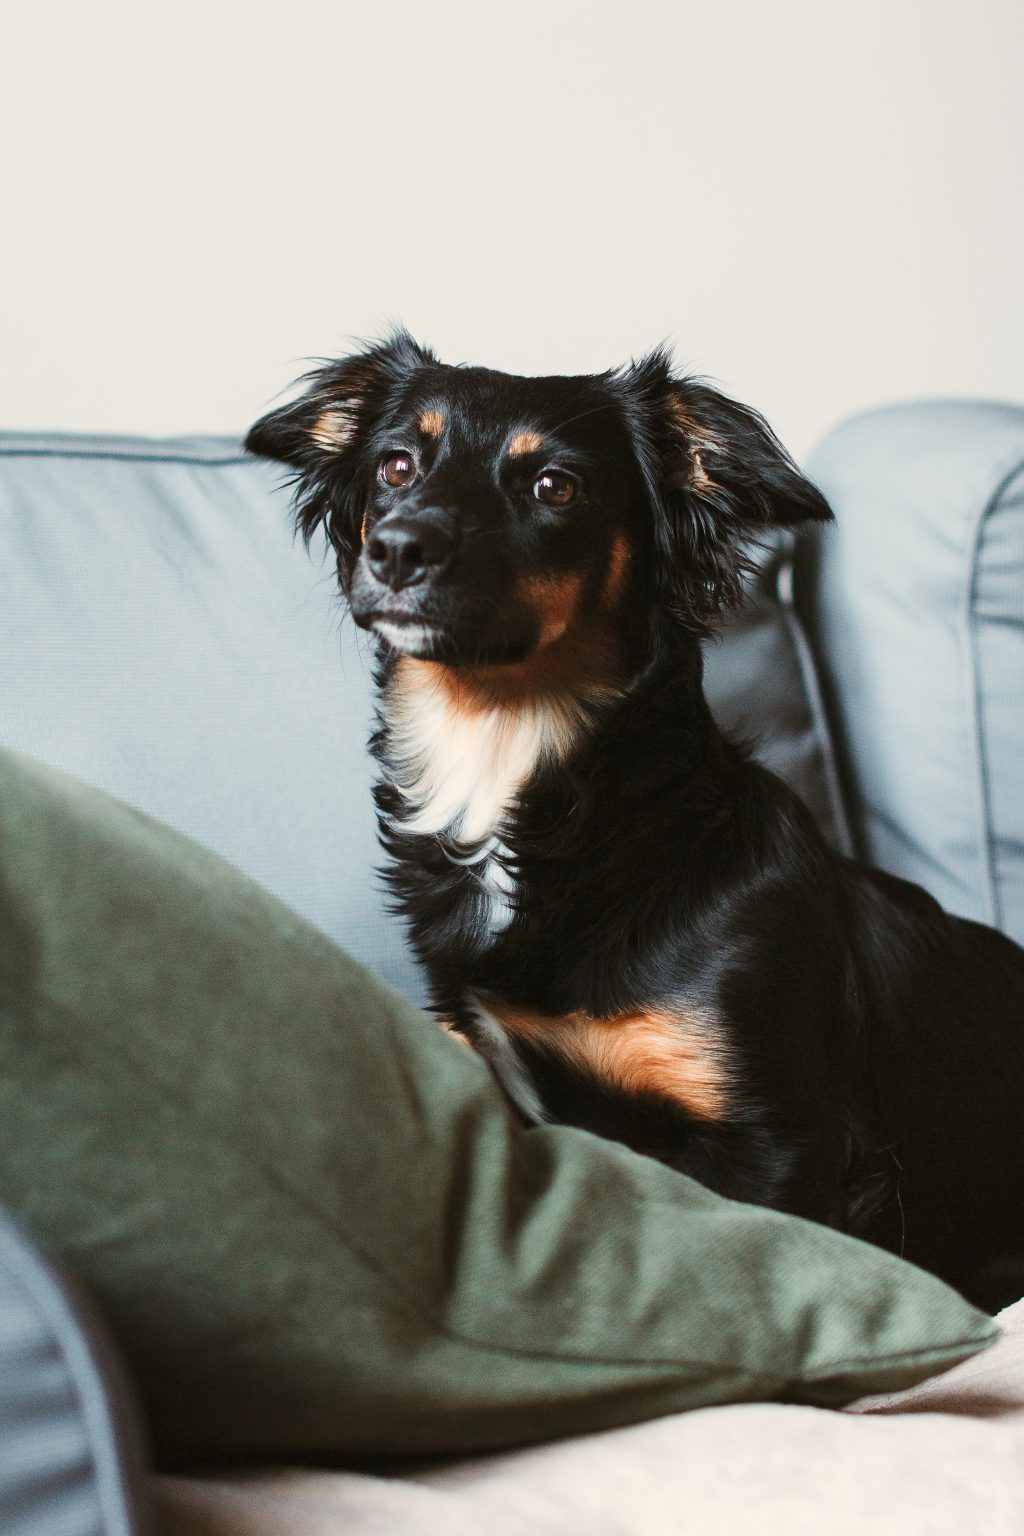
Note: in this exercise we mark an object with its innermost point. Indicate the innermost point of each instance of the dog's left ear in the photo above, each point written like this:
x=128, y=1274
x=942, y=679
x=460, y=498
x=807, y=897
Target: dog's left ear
x=722, y=478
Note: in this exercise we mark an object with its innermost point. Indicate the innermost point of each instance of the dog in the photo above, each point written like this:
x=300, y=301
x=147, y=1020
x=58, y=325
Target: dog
x=638, y=926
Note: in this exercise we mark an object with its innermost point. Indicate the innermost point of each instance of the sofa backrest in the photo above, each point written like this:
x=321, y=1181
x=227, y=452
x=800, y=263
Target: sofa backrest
x=163, y=636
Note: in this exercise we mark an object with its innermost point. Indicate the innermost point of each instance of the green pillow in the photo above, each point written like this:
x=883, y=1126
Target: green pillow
x=309, y=1217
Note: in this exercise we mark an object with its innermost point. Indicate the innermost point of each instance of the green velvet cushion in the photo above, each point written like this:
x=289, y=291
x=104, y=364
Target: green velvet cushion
x=311, y=1221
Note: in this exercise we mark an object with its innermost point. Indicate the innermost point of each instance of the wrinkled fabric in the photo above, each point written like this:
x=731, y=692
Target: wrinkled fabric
x=309, y=1217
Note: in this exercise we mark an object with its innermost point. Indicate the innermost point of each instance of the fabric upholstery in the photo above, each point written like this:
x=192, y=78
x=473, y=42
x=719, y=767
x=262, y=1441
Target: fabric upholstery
x=163, y=637
x=918, y=619
x=71, y=1461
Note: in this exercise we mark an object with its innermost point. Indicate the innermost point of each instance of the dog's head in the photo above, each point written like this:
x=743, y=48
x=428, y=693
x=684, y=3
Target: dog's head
x=479, y=517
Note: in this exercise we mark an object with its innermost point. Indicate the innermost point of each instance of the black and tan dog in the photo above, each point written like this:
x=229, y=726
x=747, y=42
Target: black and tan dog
x=639, y=927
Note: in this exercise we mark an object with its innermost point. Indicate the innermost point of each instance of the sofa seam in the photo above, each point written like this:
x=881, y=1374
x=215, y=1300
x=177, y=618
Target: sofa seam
x=91, y=1396
x=110, y=456
x=981, y=758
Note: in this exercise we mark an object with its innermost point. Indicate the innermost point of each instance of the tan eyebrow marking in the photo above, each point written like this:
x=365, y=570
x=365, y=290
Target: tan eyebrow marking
x=679, y=1054
x=524, y=443
x=431, y=423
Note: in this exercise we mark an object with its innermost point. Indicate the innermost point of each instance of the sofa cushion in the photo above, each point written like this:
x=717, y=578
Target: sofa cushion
x=313, y=1221
x=163, y=637
x=918, y=619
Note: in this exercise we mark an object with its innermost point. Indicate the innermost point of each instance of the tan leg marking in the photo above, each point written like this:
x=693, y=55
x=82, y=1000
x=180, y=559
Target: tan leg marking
x=676, y=1054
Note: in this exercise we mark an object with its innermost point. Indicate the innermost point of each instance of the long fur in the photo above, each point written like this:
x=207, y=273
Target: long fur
x=640, y=927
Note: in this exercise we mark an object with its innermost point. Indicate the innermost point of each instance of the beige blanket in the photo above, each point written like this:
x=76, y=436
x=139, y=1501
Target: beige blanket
x=946, y=1457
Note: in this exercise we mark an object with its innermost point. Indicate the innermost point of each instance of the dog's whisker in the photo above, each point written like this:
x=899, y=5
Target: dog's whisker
x=610, y=405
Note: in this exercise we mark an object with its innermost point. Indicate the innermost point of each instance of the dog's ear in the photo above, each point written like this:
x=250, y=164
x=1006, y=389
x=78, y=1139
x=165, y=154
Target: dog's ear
x=721, y=478
x=320, y=434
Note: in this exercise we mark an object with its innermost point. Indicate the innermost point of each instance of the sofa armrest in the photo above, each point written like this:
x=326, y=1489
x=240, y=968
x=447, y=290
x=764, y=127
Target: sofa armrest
x=916, y=608
x=70, y=1457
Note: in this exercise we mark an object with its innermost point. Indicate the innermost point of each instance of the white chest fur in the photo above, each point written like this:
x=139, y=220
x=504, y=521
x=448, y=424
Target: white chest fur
x=494, y=884
x=460, y=759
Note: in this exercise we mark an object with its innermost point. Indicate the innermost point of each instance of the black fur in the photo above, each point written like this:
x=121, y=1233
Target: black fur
x=873, y=1045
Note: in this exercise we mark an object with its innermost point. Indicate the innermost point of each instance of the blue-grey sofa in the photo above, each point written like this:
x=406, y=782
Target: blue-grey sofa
x=163, y=636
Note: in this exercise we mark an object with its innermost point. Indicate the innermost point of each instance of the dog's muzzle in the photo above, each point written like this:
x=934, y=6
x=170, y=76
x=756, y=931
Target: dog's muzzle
x=406, y=549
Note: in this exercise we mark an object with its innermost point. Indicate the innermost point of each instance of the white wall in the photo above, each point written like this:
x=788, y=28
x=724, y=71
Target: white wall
x=822, y=206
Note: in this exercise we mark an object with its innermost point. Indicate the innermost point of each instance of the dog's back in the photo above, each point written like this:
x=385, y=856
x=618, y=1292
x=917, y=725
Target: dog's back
x=943, y=1015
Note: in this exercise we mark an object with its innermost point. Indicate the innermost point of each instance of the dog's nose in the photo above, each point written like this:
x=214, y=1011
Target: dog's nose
x=404, y=550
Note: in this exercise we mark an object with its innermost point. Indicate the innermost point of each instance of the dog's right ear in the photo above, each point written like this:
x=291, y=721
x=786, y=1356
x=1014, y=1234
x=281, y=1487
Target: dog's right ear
x=319, y=435
x=721, y=479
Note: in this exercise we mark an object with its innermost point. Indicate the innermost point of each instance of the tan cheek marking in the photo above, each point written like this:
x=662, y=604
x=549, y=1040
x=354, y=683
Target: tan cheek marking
x=676, y=1055
x=553, y=599
x=431, y=423
x=362, y=528
x=334, y=428
x=524, y=443
x=424, y=678
x=618, y=563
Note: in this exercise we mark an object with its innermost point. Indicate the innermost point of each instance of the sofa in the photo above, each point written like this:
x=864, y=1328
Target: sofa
x=163, y=637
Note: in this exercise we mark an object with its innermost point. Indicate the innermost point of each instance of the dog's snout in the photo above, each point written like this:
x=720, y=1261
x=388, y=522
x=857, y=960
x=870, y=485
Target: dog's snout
x=404, y=550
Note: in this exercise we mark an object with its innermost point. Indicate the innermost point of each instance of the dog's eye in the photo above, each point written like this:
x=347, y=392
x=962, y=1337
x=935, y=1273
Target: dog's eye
x=398, y=469
x=554, y=489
